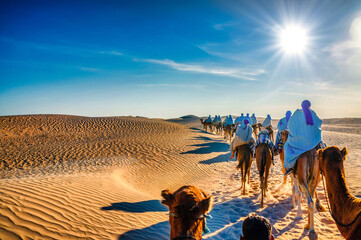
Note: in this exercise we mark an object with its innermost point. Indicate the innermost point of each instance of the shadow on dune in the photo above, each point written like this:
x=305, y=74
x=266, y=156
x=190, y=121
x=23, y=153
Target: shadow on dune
x=209, y=147
x=218, y=159
x=137, y=207
x=200, y=130
x=157, y=231
x=203, y=138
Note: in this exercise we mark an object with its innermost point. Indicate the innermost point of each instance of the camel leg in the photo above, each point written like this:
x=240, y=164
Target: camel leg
x=311, y=208
x=249, y=169
x=261, y=205
x=296, y=196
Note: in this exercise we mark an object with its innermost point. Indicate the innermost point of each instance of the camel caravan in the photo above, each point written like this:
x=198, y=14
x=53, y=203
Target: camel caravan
x=305, y=159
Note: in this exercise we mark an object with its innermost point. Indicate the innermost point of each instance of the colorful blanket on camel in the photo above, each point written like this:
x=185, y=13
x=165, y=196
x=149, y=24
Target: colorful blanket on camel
x=263, y=137
x=302, y=137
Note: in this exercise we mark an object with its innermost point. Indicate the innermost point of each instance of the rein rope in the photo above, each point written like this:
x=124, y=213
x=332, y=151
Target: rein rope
x=329, y=209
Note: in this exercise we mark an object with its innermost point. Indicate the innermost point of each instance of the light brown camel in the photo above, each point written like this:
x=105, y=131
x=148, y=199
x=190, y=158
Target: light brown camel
x=345, y=208
x=218, y=128
x=206, y=125
x=284, y=136
x=188, y=207
x=264, y=160
x=228, y=131
x=244, y=157
x=296, y=187
x=256, y=128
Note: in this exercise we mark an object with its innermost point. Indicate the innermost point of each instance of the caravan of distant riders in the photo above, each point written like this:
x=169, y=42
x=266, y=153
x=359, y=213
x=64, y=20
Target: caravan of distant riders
x=304, y=156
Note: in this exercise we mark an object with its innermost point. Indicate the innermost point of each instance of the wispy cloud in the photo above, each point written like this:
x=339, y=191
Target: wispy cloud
x=170, y=85
x=348, y=51
x=87, y=69
x=221, y=26
x=246, y=74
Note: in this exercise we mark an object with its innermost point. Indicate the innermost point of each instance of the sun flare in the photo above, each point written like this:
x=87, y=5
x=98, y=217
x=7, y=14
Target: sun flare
x=293, y=39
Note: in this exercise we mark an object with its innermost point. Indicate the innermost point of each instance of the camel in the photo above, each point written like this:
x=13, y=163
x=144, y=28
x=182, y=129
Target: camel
x=256, y=128
x=296, y=194
x=188, y=208
x=228, y=131
x=244, y=157
x=345, y=208
x=306, y=175
x=218, y=128
x=206, y=125
x=264, y=161
x=284, y=136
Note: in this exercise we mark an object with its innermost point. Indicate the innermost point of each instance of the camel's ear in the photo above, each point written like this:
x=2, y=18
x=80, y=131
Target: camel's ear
x=319, y=153
x=206, y=204
x=344, y=153
x=168, y=197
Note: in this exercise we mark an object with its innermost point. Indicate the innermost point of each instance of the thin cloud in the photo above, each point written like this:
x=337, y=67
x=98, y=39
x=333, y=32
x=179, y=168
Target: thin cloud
x=350, y=48
x=169, y=85
x=246, y=74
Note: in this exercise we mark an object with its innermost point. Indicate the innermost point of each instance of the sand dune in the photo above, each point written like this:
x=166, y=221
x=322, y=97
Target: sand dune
x=70, y=177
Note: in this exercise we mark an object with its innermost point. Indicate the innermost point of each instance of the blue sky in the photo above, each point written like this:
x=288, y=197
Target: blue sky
x=172, y=58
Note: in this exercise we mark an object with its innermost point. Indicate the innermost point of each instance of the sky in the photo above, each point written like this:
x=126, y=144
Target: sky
x=172, y=58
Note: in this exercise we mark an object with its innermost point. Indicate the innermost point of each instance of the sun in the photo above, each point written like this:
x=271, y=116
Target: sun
x=293, y=39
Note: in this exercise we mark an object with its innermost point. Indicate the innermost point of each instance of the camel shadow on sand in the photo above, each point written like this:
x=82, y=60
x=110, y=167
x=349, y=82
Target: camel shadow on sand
x=137, y=207
x=209, y=147
x=159, y=231
x=218, y=159
x=200, y=131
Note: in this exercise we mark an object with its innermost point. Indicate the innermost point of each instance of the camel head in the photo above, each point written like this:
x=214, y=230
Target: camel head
x=284, y=135
x=188, y=207
x=332, y=155
x=201, y=121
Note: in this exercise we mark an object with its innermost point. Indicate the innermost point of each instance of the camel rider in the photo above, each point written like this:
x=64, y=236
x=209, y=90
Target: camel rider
x=263, y=137
x=225, y=122
x=281, y=126
x=248, y=118
x=230, y=120
x=215, y=120
x=267, y=122
x=253, y=119
x=209, y=119
x=243, y=136
x=304, y=128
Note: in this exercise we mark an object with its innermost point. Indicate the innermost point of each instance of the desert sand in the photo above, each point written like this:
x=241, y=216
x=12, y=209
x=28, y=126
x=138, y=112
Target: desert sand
x=72, y=177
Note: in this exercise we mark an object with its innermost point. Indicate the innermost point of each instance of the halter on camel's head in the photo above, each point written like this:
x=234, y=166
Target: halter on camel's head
x=188, y=211
x=332, y=154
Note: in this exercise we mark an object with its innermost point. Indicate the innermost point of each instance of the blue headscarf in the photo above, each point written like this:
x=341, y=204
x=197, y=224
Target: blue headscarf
x=288, y=115
x=306, y=110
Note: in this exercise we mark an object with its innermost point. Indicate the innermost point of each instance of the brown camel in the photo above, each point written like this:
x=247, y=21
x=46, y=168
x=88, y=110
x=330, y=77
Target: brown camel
x=284, y=136
x=256, y=128
x=264, y=160
x=296, y=194
x=188, y=207
x=206, y=125
x=345, y=208
x=244, y=157
x=228, y=131
x=218, y=128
